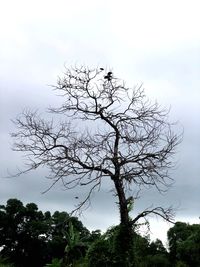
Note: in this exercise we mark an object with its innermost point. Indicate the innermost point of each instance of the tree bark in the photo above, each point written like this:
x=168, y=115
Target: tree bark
x=125, y=240
x=124, y=218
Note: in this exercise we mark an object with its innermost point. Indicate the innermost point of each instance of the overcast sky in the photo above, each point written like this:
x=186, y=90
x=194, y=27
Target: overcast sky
x=156, y=43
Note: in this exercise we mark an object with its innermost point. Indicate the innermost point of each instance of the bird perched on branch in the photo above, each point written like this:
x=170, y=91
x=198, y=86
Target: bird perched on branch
x=108, y=76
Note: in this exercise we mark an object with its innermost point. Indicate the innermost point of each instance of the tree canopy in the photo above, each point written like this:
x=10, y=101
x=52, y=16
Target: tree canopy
x=108, y=131
x=184, y=243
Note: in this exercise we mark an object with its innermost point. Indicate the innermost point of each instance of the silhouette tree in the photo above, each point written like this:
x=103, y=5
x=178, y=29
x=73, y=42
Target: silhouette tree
x=110, y=132
x=22, y=230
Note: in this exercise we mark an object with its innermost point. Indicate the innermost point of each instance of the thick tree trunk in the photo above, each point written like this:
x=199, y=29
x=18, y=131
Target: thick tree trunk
x=124, y=218
x=125, y=239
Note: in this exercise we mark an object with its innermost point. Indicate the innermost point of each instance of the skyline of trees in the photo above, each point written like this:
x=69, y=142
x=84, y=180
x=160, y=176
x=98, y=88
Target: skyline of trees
x=30, y=237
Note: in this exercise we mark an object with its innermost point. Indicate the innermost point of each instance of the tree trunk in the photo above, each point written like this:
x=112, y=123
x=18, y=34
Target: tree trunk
x=125, y=240
x=124, y=218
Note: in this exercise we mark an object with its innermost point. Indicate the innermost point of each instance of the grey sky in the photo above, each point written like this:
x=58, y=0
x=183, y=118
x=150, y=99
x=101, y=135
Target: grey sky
x=154, y=42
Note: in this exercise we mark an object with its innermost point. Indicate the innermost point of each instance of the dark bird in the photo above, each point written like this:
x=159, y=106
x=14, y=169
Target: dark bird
x=108, y=76
x=76, y=197
x=101, y=68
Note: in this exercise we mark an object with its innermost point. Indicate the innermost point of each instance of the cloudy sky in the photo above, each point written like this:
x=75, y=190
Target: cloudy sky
x=155, y=42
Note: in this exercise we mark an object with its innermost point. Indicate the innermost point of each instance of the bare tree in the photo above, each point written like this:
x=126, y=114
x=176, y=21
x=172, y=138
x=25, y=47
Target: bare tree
x=110, y=132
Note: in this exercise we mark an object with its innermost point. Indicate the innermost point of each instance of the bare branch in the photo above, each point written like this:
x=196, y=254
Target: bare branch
x=166, y=214
x=108, y=131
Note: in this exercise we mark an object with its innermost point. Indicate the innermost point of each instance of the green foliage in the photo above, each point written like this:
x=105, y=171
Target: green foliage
x=105, y=251
x=184, y=244
x=99, y=254
x=21, y=230
x=156, y=247
x=29, y=237
x=150, y=254
x=123, y=246
x=94, y=235
x=75, y=248
x=155, y=261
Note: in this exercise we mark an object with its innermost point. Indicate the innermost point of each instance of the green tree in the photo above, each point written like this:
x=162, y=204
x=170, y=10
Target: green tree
x=21, y=230
x=99, y=254
x=156, y=247
x=184, y=244
x=104, y=250
x=94, y=235
x=29, y=237
x=61, y=224
x=75, y=248
x=150, y=254
x=130, y=142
